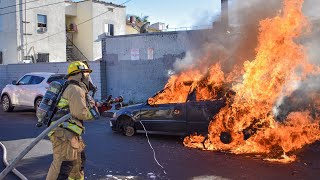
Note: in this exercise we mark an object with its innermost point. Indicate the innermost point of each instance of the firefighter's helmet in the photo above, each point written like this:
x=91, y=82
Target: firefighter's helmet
x=77, y=67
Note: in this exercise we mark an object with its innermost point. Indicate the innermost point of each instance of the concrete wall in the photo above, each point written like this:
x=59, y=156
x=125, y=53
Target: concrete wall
x=11, y=72
x=139, y=79
x=136, y=81
x=8, y=32
x=3, y=76
x=114, y=15
x=42, y=42
x=164, y=43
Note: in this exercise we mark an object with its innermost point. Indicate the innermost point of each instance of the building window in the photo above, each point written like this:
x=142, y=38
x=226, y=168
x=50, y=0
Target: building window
x=42, y=23
x=109, y=29
x=43, y=57
x=42, y=20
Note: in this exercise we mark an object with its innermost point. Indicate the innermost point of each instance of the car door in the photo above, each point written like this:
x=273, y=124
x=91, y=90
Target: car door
x=164, y=118
x=30, y=91
x=200, y=113
x=197, y=121
x=13, y=90
x=19, y=93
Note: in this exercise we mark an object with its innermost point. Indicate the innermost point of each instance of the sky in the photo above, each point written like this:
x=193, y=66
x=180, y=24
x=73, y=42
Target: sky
x=175, y=13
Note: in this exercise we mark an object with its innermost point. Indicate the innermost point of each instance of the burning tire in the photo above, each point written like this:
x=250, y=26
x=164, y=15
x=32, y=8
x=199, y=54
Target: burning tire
x=225, y=137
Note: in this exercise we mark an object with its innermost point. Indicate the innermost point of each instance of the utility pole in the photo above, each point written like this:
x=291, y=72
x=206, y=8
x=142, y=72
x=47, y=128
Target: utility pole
x=25, y=28
x=24, y=32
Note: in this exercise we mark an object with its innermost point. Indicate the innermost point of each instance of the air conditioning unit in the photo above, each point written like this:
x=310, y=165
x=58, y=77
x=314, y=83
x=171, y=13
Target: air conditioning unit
x=42, y=29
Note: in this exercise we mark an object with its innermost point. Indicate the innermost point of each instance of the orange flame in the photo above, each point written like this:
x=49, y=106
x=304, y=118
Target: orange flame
x=279, y=63
x=207, y=86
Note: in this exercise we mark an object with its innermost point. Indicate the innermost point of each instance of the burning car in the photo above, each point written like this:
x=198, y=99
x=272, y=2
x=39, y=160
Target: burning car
x=265, y=116
x=180, y=118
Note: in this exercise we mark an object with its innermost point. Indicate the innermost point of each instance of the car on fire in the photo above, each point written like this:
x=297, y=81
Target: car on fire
x=189, y=117
x=28, y=90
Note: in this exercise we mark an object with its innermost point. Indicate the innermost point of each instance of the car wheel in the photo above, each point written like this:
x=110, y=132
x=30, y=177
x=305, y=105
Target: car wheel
x=128, y=130
x=37, y=103
x=6, y=103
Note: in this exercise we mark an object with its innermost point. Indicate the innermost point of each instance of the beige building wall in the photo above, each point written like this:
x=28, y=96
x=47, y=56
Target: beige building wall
x=88, y=37
x=112, y=14
x=83, y=38
x=131, y=30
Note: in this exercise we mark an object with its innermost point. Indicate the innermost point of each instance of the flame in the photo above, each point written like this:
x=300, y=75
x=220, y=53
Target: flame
x=208, y=86
x=279, y=62
x=248, y=117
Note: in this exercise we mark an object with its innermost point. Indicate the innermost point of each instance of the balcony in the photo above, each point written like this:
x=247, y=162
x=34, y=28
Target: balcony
x=71, y=8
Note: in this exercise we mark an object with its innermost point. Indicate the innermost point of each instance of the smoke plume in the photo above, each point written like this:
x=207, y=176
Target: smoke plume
x=233, y=39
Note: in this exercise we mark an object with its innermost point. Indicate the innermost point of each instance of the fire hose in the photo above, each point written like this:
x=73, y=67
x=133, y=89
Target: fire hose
x=14, y=170
x=11, y=166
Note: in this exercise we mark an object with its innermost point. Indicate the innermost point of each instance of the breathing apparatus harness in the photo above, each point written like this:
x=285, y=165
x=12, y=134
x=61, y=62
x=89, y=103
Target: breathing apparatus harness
x=46, y=111
x=48, y=106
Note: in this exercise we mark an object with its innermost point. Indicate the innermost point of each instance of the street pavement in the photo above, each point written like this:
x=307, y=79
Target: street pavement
x=113, y=156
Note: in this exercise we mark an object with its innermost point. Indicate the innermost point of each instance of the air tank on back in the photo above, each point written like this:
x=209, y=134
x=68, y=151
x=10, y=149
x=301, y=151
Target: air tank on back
x=48, y=103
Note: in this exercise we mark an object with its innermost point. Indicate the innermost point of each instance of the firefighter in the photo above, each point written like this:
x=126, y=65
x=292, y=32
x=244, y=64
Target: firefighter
x=68, y=146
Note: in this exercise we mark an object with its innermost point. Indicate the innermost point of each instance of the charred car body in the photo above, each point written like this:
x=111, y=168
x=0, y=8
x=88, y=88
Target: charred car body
x=171, y=119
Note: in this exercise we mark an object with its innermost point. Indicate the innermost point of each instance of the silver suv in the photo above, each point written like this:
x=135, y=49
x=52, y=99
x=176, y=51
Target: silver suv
x=28, y=90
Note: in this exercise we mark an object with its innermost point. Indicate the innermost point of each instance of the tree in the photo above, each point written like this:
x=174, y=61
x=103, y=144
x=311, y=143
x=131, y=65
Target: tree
x=142, y=19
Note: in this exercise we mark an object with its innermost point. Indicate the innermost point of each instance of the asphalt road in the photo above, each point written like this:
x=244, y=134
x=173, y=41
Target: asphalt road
x=114, y=156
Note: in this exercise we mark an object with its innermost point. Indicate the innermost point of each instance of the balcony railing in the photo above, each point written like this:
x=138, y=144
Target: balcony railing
x=73, y=52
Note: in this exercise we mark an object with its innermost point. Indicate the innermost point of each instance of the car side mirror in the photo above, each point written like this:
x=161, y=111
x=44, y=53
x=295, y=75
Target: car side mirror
x=150, y=102
x=14, y=82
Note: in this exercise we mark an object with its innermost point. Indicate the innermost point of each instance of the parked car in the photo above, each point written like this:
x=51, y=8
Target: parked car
x=28, y=90
x=171, y=119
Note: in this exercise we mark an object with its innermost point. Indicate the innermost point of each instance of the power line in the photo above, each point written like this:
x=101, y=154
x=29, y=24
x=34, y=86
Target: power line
x=32, y=8
x=76, y=24
x=208, y=26
x=18, y=4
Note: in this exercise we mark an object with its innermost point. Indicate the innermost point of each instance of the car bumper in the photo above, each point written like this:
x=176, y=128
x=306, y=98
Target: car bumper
x=113, y=124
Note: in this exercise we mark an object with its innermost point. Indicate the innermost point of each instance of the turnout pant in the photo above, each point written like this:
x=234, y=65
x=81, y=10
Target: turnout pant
x=68, y=156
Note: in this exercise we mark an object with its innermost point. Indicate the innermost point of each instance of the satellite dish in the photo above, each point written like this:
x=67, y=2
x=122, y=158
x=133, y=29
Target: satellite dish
x=144, y=27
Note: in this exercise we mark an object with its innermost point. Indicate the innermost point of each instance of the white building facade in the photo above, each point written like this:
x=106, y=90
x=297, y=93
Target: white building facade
x=29, y=31
x=36, y=31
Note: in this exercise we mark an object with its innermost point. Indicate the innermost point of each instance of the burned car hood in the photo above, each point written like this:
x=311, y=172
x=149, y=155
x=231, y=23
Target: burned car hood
x=131, y=107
